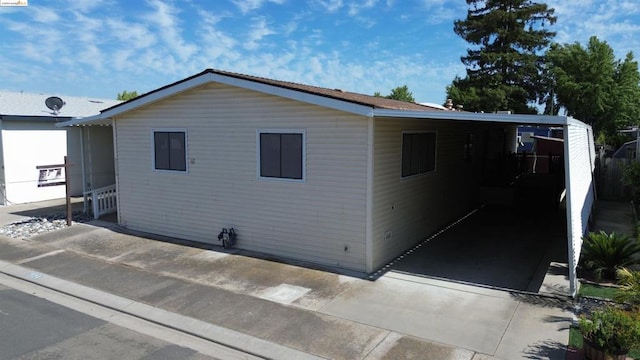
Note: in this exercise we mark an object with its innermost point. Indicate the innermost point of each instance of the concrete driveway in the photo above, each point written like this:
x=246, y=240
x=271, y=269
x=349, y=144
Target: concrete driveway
x=496, y=247
x=315, y=312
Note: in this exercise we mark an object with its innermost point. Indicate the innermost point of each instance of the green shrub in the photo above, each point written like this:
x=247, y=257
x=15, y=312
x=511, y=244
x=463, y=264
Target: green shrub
x=613, y=330
x=631, y=178
x=604, y=253
x=629, y=291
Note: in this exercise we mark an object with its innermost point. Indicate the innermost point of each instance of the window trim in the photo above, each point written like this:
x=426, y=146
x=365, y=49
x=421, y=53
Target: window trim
x=302, y=132
x=186, y=150
x=435, y=152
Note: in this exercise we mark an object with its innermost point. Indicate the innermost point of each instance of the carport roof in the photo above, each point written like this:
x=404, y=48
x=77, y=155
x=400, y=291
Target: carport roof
x=482, y=117
x=366, y=105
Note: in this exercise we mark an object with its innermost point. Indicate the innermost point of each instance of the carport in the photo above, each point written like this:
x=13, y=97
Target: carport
x=494, y=246
x=512, y=245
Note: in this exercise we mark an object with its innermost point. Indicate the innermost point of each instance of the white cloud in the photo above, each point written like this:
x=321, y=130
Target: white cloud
x=614, y=21
x=165, y=18
x=249, y=5
x=121, y=58
x=443, y=11
x=92, y=56
x=85, y=6
x=134, y=35
x=103, y=45
x=330, y=5
x=211, y=18
x=216, y=44
x=259, y=29
x=357, y=7
x=45, y=15
x=86, y=28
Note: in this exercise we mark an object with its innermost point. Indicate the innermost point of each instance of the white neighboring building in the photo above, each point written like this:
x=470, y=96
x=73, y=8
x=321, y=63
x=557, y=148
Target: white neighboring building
x=29, y=138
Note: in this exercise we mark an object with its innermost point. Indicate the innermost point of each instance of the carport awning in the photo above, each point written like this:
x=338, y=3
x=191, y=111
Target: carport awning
x=543, y=120
x=579, y=152
x=579, y=166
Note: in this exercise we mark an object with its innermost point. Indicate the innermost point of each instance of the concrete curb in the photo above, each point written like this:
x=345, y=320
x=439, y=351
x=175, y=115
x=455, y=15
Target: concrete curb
x=210, y=332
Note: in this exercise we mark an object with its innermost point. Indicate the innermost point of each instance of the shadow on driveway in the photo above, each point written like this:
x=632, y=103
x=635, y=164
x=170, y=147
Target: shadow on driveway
x=496, y=246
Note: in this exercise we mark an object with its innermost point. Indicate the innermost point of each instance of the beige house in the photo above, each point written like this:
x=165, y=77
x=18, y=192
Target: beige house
x=307, y=173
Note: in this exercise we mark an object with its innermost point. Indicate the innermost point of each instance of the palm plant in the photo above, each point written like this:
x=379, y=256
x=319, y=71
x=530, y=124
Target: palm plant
x=604, y=253
x=629, y=281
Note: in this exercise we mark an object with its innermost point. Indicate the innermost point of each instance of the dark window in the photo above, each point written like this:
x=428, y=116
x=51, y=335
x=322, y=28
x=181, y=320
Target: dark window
x=170, y=150
x=418, y=153
x=281, y=155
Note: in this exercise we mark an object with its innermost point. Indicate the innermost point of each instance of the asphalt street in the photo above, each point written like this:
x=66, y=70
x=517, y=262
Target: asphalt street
x=33, y=328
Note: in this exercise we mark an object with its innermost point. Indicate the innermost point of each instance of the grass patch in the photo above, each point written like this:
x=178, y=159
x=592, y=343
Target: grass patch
x=575, y=338
x=575, y=341
x=604, y=292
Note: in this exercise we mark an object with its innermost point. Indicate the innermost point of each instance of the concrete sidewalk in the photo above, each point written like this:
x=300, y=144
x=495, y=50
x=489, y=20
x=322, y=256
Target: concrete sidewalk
x=283, y=311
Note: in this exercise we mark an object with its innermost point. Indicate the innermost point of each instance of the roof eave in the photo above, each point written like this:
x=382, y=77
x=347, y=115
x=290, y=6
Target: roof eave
x=34, y=118
x=209, y=76
x=486, y=117
x=86, y=121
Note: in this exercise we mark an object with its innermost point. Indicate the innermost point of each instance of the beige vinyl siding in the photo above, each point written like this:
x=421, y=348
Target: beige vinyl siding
x=411, y=208
x=312, y=220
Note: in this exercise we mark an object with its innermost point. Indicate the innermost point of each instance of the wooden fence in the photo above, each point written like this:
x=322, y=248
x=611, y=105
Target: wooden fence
x=609, y=179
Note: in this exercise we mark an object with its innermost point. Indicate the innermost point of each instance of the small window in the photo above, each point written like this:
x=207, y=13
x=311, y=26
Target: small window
x=418, y=153
x=170, y=150
x=281, y=155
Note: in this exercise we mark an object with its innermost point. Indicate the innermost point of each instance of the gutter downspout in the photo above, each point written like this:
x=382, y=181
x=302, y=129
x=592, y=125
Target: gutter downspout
x=115, y=169
x=85, y=199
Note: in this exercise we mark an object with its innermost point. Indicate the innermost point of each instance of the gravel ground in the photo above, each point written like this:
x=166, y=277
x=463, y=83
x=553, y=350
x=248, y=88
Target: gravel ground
x=39, y=224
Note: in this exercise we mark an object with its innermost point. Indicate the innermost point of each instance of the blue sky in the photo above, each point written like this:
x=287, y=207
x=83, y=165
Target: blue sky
x=98, y=48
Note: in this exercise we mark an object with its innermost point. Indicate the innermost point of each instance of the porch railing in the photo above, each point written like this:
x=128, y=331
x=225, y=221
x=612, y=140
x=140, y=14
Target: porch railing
x=103, y=200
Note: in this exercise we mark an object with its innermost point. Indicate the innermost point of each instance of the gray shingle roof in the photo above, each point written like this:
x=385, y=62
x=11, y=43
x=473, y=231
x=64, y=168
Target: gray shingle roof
x=32, y=104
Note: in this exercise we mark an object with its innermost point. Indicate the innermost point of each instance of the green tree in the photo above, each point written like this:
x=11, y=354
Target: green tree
x=626, y=94
x=401, y=93
x=504, y=64
x=591, y=85
x=125, y=95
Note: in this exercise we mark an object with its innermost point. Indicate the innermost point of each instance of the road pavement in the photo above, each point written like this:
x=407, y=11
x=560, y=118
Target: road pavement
x=32, y=327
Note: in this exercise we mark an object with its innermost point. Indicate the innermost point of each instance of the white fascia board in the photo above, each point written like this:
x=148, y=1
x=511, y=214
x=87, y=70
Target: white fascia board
x=205, y=78
x=294, y=95
x=89, y=120
x=104, y=118
x=241, y=83
x=468, y=116
x=157, y=96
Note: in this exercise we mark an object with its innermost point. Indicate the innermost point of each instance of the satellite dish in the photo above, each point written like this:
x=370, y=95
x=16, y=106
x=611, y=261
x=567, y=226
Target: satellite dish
x=54, y=103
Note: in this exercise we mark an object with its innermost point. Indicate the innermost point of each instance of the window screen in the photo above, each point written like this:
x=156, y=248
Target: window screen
x=418, y=153
x=170, y=150
x=281, y=155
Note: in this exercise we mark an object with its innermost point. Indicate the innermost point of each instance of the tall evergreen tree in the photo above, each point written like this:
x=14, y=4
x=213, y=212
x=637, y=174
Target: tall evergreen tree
x=504, y=64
